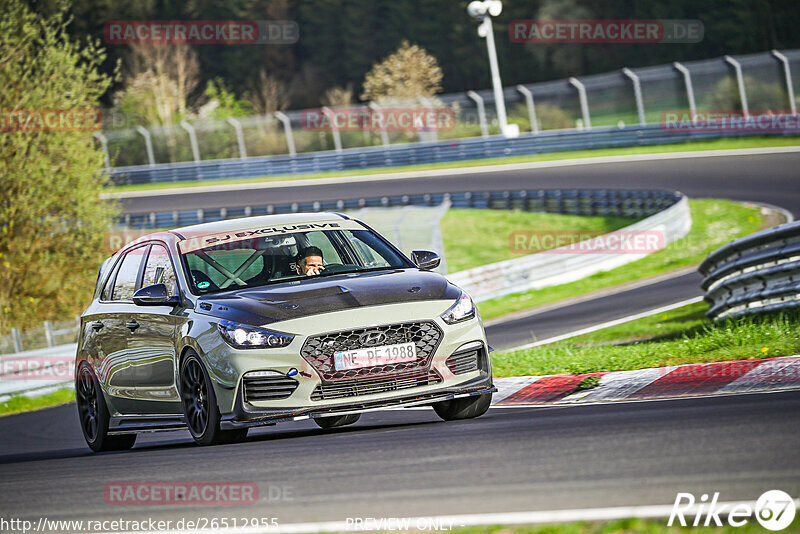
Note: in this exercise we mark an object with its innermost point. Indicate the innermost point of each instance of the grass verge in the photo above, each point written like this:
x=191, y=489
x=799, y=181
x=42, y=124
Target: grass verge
x=676, y=337
x=714, y=223
x=720, y=144
x=21, y=403
x=474, y=237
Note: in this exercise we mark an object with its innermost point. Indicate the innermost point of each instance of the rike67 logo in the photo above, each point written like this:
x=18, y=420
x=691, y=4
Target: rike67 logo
x=774, y=510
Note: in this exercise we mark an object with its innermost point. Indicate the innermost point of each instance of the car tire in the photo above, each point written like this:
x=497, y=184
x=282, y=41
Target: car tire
x=334, y=421
x=200, y=407
x=94, y=415
x=464, y=408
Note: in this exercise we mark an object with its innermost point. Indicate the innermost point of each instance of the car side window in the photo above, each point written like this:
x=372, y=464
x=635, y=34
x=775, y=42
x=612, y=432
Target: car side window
x=108, y=289
x=159, y=269
x=125, y=285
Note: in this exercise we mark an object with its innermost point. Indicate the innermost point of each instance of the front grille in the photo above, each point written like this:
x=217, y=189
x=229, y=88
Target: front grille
x=318, y=350
x=366, y=386
x=266, y=388
x=463, y=362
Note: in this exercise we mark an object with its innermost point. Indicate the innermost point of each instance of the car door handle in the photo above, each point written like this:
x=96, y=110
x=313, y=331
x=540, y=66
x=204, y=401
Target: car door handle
x=97, y=325
x=132, y=325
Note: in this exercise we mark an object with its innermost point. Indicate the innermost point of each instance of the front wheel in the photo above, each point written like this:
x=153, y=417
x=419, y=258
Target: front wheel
x=464, y=408
x=200, y=406
x=94, y=415
x=334, y=421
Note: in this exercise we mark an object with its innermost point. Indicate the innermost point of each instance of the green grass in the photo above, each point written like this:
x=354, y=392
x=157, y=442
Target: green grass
x=721, y=144
x=627, y=526
x=676, y=337
x=714, y=223
x=474, y=237
x=21, y=403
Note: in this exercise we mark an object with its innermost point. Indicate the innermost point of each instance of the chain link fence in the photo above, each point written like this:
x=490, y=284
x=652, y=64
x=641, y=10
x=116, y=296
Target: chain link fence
x=770, y=81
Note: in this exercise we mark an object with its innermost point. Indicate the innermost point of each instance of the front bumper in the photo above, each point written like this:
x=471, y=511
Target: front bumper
x=246, y=415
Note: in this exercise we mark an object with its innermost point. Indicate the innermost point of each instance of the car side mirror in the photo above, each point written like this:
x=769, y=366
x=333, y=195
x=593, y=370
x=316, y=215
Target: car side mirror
x=155, y=295
x=425, y=259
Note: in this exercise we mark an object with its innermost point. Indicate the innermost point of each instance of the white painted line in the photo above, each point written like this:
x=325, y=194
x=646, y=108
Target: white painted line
x=452, y=171
x=608, y=324
x=448, y=522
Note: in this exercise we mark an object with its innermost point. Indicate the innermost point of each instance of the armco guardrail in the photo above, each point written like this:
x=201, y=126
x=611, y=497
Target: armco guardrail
x=624, y=203
x=757, y=273
x=37, y=372
x=410, y=154
x=563, y=265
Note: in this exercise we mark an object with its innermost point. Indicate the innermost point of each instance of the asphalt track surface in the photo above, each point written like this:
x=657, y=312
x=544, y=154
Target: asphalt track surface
x=771, y=178
x=407, y=462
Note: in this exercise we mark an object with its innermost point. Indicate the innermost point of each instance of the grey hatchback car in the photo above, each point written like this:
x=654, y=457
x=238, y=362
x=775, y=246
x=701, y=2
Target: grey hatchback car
x=223, y=326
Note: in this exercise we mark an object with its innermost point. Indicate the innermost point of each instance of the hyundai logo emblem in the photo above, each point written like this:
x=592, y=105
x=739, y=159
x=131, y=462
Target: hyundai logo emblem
x=372, y=338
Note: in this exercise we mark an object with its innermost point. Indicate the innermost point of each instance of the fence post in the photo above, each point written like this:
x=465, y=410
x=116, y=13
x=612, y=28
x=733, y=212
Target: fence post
x=104, y=144
x=337, y=138
x=787, y=72
x=17, y=338
x=432, y=134
x=287, y=129
x=192, y=139
x=737, y=67
x=687, y=79
x=384, y=134
x=148, y=144
x=531, y=107
x=48, y=334
x=481, y=112
x=587, y=121
x=237, y=126
x=637, y=93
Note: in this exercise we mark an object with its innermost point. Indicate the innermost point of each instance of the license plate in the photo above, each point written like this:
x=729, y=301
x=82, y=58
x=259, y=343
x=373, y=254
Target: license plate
x=369, y=357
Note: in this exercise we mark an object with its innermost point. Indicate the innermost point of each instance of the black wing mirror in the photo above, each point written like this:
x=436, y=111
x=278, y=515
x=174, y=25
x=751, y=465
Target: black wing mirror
x=155, y=295
x=425, y=259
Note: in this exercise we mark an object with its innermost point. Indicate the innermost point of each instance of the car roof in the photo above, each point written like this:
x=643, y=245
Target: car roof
x=230, y=225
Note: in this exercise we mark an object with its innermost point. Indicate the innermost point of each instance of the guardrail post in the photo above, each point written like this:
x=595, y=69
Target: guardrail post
x=237, y=126
x=637, y=93
x=148, y=144
x=587, y=121
x=687, y=80
x=104, y=144
x=16, y=337
x=337, y=138
x=737, y=67
x=192, y=139
x=481, y=112
x=531, y=107
x=787, y=72
x=287, y=129
x=384, y=134
x=48, y=334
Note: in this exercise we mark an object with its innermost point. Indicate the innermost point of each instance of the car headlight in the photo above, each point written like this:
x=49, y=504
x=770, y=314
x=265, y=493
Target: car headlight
x=242, y=336
x=462, y=310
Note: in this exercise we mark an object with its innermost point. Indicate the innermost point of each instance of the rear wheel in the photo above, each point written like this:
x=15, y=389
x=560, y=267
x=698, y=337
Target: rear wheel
x=334, y=421
x=200, y=406
x=465, y=408
x=94, y=415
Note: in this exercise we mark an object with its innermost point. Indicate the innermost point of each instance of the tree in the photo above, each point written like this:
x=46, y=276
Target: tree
x=52, y=221
x=408, y=73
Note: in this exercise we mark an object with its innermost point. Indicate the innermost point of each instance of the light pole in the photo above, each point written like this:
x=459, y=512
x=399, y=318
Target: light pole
x=484, y=11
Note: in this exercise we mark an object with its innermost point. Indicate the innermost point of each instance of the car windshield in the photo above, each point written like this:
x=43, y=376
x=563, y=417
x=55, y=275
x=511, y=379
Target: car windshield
x=229, y=264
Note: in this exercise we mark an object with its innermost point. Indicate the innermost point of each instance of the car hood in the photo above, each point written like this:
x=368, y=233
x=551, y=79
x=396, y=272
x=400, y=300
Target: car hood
x=281, y=302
